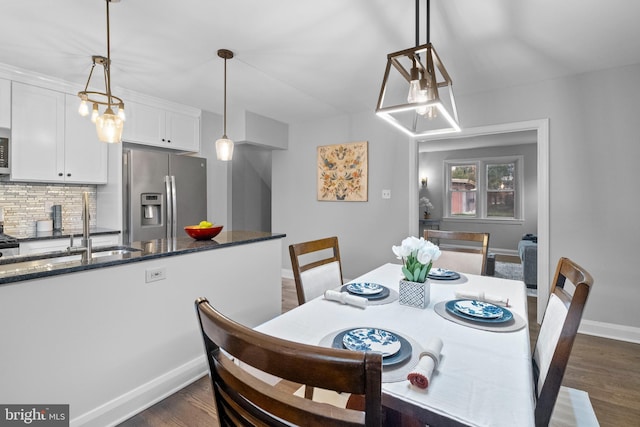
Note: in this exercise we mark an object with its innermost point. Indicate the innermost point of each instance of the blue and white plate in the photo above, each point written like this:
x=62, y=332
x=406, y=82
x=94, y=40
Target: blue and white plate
x=402, y=356
x=365, y=288
x=442, y=274
x=480, y=309
x=506, y=314
x=371, y=339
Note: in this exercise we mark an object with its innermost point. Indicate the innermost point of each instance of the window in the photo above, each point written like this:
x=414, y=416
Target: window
x=484, y=188
x=462, y=186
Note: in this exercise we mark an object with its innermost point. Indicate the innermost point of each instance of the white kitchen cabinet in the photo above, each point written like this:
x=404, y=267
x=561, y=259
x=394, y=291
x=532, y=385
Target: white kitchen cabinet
x=85, y=157
x=37, y=135
x=33, y=247
x=5, y=103
x=51, y=142
x=151, y=125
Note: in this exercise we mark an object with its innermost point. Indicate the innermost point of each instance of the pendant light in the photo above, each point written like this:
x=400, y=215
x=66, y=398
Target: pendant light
x=411, y=97
x=109, y=125
x=224, y=146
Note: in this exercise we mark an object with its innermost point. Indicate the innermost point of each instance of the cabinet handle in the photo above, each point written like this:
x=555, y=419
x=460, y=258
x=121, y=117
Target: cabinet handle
x=162, y=139
x=68, y=174
x=169, y=141
x=60, y=174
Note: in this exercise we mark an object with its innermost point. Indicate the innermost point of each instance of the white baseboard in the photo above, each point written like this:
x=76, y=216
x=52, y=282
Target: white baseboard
x=499, y=251
x=610, y=330
x=134, y=401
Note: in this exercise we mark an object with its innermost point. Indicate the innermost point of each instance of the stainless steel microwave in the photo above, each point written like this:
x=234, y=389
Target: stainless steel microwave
x=4, y=152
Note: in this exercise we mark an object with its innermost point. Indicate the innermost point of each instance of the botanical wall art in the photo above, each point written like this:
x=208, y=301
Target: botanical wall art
x=342, y=172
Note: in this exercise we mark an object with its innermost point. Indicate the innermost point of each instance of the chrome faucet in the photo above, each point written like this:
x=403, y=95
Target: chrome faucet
x=86, y=248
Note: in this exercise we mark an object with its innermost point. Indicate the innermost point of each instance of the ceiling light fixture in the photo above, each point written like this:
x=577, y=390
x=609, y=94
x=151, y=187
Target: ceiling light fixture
x=419, y=109
x=224, y=146
x=108, y=125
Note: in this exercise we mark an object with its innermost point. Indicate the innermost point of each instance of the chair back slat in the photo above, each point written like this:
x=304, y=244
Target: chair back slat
x=241, y=394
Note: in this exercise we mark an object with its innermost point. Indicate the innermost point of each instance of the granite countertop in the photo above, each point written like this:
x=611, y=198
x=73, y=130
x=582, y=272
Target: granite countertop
x=58, y=234
x=19, y=268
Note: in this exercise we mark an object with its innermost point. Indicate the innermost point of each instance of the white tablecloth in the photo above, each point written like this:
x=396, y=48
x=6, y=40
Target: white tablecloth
x=484, y=378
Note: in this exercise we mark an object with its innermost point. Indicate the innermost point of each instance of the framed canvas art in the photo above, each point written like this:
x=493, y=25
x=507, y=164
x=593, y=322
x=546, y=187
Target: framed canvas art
x=342, y=172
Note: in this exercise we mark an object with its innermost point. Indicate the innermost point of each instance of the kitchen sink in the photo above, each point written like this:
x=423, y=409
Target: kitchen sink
x=58, y=260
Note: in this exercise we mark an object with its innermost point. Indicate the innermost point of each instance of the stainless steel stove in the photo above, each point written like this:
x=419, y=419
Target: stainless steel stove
x=9, y=246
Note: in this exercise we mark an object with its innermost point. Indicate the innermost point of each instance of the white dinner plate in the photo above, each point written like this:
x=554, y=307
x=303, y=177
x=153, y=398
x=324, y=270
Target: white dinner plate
x=365, y=288
x=372, y=339
x=479, y=309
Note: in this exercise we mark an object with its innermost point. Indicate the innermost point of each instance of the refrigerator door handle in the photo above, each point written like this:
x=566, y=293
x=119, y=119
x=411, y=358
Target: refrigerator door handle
x=167, y=185
x=174, y=207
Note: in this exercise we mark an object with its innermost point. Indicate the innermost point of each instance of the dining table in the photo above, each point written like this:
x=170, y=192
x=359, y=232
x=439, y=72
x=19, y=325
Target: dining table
x=483, y=375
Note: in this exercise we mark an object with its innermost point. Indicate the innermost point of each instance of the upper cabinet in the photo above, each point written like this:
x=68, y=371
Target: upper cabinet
x=51, y=142
x=5, y=103
x=160, y=127
x=85, y=157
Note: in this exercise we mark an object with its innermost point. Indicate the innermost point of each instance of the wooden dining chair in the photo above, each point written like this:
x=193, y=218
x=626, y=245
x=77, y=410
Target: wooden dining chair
x=462, y=251
x=316, y=267
x=242, y=398
x=557, y=333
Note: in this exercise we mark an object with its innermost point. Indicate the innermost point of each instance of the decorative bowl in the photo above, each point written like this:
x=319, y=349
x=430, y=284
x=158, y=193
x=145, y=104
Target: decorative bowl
x=200, y=233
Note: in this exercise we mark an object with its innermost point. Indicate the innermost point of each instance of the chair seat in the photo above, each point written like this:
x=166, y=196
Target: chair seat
x=327, y=396
x=573, y=408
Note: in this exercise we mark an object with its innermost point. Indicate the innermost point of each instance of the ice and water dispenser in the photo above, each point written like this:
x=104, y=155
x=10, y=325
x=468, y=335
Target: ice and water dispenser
x=151, y=208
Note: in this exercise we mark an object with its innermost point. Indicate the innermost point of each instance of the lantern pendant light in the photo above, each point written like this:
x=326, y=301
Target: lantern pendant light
x=224, y=146
x=421, y=108
x=109, y=125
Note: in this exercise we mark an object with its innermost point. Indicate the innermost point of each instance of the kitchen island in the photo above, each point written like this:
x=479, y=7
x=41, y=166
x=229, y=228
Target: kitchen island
x=112, y=337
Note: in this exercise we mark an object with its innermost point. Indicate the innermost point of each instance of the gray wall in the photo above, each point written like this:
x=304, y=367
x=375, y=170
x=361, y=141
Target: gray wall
x=366, y=230
x=504, y=237
x=251, y=195
x=594, y=152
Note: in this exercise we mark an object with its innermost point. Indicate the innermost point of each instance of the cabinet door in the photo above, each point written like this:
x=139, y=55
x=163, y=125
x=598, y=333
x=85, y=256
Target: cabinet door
x=37, y=145
x=183, y=131
x=144, y=125
x=5, y=103
x=85, y=157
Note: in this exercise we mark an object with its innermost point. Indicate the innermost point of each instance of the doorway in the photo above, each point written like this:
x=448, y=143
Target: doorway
x=484, y=133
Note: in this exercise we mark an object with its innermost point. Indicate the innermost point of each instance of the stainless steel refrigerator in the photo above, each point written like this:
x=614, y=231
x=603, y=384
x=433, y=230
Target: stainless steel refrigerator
x=162, y=193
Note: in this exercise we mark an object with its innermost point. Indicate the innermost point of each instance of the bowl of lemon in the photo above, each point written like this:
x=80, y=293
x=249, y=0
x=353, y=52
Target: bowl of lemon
x=204, y=231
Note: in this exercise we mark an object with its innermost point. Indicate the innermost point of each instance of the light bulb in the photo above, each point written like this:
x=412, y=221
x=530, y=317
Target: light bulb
x=224, y=148
x=94, y=113
x=84, y=108
x=414, y=91
x=121, y=112
x=109, y=127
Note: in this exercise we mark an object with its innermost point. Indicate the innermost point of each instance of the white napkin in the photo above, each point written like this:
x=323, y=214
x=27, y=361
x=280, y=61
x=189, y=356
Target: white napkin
x=346, y=298
x=420, y=376
x=481, y=296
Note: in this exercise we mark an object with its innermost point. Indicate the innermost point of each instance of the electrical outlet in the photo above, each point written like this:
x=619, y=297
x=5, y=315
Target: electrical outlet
x=155, y=274
x=386, y=194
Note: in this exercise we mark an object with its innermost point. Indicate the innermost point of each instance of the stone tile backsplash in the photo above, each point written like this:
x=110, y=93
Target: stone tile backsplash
x=26, y=203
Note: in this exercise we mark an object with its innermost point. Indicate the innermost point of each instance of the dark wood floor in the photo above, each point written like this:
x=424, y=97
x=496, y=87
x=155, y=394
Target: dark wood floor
x=608, y=370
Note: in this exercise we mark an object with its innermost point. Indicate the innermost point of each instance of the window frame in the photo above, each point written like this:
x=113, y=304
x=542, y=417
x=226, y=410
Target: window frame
x=482, y=191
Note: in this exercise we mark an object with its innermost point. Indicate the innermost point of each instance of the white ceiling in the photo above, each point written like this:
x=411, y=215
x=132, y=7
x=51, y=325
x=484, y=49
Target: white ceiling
x=300, y=60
